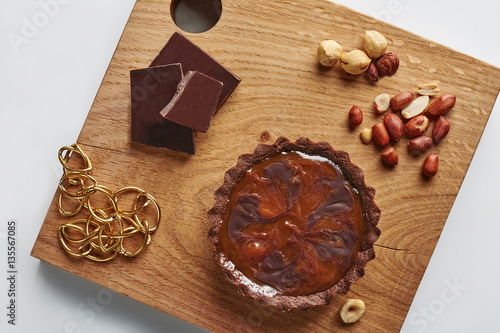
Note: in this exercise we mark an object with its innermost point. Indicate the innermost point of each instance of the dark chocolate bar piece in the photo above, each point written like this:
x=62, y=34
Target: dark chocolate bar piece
x=153, y=88
x=179, y=49
x=195, y=101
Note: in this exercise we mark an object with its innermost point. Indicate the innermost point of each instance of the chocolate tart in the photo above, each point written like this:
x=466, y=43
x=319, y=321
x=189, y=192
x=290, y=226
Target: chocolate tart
x=294, y=224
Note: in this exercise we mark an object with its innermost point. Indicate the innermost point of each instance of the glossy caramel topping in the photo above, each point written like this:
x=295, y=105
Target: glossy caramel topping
x=293, y=223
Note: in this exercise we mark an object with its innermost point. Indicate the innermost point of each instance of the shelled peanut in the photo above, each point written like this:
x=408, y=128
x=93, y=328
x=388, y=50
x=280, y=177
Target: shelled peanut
x=394, y=126
x=430, y=165
x=412, y=116
x=390, y=156
x=355, y=116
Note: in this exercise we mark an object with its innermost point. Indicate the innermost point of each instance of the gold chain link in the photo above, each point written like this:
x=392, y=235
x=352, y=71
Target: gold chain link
x=100, y=235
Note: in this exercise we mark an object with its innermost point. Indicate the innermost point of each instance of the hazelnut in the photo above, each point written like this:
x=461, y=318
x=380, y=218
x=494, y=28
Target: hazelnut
x=355, y=62
x=387, y=64
x=352, y=310
x=329, y=52
x=374, y=44
x=372, y=72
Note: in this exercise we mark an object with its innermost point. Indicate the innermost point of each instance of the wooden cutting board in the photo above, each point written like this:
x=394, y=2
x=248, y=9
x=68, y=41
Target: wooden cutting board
x=271, y=46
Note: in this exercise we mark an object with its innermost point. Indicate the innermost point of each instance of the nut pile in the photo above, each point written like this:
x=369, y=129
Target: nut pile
x=373, y=59
x=415, y=116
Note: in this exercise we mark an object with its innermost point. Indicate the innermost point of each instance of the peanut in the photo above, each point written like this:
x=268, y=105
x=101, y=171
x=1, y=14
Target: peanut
x=366, y=135
x=417, y=126
x=431, y=165
x=440, y=130
x=382, y=103
x=355, y=116
x=442, y=104
x=419, y=145
x=390, y=156
x=429, y=89
x=401, y=100
x=416, y=107
x=380, y=134
x=394, y=126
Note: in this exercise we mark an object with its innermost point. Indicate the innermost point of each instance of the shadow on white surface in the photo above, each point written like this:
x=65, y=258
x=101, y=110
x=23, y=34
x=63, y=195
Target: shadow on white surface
x=94, y=307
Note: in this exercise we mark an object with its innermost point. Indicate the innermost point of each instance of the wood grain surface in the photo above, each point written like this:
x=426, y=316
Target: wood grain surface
x=271, y=46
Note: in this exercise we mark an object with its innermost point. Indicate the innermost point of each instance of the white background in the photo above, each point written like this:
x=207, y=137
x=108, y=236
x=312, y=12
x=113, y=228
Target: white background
x=47, y=86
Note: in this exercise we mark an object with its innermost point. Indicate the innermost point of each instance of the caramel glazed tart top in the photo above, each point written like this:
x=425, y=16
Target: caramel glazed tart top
x=265, y=295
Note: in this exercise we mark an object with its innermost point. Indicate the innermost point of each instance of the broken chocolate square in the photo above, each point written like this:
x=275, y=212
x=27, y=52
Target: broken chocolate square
x=195, y=101
x=179, y=49
x=152, y=89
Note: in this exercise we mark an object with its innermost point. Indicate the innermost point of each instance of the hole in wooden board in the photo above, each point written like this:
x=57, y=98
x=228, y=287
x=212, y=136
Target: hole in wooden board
x=196, y=15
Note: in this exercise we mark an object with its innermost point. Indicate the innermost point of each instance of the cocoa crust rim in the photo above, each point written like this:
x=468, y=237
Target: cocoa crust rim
x=352, y=172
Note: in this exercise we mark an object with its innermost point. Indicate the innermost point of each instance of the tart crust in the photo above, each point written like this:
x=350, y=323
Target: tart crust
x=266, y=295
